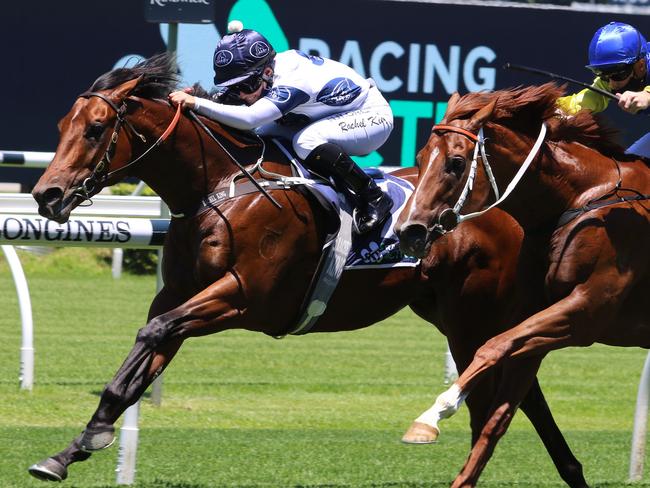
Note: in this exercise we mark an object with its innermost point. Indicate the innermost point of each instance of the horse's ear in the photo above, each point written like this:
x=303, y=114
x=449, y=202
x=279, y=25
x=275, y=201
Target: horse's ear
x=125, y=88
x=453, y=101
x=483, y=115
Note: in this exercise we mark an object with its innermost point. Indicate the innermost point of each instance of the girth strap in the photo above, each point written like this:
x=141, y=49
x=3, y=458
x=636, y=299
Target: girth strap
x=572, y=214
x=221, y=195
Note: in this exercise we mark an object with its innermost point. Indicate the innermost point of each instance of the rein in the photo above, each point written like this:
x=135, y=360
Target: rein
x=602, y=201
x=101, y=172
x=237, y=163
x=451, y=217
x=574, y=213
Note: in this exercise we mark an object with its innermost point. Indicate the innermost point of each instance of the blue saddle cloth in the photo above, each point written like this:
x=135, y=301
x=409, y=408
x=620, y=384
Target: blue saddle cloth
x=640, y=147
x=380, y=247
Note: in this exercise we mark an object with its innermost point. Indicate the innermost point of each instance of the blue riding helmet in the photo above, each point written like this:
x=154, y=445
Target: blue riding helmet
x=239, y=56
x=616, y=44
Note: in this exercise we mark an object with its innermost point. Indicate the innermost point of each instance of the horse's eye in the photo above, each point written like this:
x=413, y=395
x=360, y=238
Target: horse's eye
x=456, y=165
x=94, y=131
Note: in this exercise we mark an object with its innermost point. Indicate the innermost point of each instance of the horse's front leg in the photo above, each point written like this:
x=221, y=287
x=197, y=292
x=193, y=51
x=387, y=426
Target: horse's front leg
x=536, y=409
x=543, y=332
x=55, y=468
x=518, y=376
x=219, y=307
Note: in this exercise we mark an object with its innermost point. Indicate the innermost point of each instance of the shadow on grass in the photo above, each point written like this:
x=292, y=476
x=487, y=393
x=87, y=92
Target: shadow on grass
x=98, y=393
x=166, y=484
x=388, y=484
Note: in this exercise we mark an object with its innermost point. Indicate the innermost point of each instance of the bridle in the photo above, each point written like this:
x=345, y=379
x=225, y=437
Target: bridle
x=102, y=170
x=450, y=217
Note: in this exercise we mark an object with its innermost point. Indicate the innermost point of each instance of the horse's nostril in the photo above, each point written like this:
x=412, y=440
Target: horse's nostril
x=413, y=239
x=415, y=233
x=51, y=195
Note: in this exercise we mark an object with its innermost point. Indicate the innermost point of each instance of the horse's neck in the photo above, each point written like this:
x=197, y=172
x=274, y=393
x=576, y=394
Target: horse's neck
x=585, y=171
x=561, y=176
x=190, y=165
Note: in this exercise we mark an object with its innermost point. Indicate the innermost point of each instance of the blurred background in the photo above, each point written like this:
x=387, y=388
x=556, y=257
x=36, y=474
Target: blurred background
x=418, y=52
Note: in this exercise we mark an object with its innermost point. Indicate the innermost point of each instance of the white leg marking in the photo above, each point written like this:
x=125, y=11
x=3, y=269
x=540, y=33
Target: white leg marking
x=445, y=406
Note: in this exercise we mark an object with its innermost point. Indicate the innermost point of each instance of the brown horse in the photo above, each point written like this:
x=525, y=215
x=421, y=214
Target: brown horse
x=583, y=205
x=245, y=263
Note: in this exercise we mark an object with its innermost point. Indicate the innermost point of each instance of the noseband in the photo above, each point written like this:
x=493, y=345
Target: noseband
x=101, y=172
x=450, y=217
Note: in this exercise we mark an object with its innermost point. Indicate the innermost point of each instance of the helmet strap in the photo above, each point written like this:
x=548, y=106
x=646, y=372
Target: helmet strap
x=267, y=78
x=640, y=67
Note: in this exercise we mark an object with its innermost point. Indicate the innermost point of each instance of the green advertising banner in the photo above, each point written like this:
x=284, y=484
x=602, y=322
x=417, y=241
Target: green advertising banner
x=418, y=54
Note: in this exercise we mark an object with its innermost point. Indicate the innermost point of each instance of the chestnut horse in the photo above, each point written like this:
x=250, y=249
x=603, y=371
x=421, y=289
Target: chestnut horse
x=246, y=262
x=583, y=205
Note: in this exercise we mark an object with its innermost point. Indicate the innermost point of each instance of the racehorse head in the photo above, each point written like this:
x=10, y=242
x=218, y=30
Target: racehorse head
x=124, y=126
x=98, y=138
x=497, y=140
x=442, y=163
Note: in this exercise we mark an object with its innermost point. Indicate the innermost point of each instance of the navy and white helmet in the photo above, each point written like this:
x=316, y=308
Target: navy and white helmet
x=239, y=55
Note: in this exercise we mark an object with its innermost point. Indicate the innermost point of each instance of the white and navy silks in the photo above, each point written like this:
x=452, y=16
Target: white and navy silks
x=312, y=101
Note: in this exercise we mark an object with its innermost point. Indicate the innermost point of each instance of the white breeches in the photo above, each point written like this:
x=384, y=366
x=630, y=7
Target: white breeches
x=357, y=132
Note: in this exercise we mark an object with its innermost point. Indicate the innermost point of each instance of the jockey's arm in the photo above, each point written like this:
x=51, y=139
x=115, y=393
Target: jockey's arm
x=242, y=117
x=585, y=99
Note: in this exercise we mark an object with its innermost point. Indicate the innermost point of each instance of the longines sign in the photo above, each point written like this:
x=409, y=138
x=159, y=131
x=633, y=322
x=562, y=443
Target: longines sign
x=32, y=230
x=182, y=11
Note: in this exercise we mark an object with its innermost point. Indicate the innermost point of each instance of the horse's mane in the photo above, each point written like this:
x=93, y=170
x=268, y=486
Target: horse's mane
x=524, y=108
x=159, y=77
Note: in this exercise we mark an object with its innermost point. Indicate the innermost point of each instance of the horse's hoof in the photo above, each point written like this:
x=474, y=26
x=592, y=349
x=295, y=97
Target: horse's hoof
x=420, y=433
x=97, y=439
x=49, y=470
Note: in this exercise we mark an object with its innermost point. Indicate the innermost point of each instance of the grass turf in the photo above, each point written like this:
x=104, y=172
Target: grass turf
x=243, y=410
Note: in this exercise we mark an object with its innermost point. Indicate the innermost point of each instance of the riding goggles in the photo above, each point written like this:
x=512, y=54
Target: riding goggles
x=617, y=74
x=249, y=85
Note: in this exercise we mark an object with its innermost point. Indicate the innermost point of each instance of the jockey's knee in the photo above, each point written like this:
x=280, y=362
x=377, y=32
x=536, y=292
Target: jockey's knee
x=305, y=141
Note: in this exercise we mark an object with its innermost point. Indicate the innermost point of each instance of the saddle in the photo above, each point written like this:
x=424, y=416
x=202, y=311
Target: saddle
x=343, y=249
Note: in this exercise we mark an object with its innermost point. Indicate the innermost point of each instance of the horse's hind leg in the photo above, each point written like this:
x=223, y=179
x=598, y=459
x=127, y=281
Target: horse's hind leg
x=536, y=409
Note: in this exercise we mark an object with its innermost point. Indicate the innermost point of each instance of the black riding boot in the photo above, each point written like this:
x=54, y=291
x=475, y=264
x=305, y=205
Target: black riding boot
x=372, y=204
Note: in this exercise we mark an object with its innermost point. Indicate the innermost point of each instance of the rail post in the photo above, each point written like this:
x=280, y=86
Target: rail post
x=640, y=424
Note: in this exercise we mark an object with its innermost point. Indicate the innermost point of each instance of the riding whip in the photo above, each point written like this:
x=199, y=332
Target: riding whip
x=554, y=76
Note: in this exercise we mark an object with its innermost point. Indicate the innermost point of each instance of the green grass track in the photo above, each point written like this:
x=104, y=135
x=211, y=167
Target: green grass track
x=244, y=410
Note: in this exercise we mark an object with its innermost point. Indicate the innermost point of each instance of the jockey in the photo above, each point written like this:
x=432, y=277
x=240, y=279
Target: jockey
x=619, y=57
x=325, y=108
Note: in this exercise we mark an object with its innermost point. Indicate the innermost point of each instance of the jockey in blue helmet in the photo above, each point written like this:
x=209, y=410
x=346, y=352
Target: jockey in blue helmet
x=325, y=108
x=619, y=57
